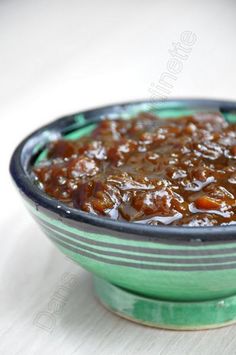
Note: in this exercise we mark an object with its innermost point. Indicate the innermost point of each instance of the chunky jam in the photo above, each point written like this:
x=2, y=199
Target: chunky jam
x=148, y=170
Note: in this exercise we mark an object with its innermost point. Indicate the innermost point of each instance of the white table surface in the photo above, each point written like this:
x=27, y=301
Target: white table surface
x=57, y=57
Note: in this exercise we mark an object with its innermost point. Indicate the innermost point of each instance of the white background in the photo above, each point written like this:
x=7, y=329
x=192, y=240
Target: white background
x=58, y=57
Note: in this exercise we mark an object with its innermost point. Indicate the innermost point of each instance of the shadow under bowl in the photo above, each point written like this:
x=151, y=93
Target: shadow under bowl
x=164, y=276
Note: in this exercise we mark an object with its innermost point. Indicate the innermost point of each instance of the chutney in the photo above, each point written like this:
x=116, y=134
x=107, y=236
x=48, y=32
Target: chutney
x=176, y=171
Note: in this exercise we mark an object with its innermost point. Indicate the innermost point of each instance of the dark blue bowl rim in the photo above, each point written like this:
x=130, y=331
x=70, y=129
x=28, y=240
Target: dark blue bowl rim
x=133, y=231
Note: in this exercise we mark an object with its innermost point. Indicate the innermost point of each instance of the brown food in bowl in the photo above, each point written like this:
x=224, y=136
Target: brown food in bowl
x=148, y=170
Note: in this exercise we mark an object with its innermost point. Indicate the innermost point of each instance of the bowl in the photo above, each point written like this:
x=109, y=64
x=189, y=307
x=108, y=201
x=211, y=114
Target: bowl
x=163, y=276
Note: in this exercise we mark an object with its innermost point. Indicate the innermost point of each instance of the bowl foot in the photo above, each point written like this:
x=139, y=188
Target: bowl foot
x=166, y=314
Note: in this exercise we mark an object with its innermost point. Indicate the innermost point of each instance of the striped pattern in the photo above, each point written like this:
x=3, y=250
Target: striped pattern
x=143, y=255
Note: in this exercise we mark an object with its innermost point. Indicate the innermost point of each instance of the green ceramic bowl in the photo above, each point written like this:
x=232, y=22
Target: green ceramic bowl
x=163, y=276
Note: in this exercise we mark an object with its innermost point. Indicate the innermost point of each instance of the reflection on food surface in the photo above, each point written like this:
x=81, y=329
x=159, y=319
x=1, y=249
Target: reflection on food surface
x=148, y=170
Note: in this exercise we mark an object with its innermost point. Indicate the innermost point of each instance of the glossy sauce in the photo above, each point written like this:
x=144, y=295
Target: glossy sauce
x=147, y=170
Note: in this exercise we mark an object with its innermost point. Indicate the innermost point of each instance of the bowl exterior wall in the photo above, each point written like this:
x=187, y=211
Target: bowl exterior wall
x=190, y=271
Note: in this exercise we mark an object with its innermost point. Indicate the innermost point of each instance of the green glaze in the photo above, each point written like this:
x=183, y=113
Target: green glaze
x=181, y=283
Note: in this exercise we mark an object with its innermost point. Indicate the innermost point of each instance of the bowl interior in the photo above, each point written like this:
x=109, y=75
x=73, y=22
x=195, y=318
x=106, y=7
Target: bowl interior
x=84, y=123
